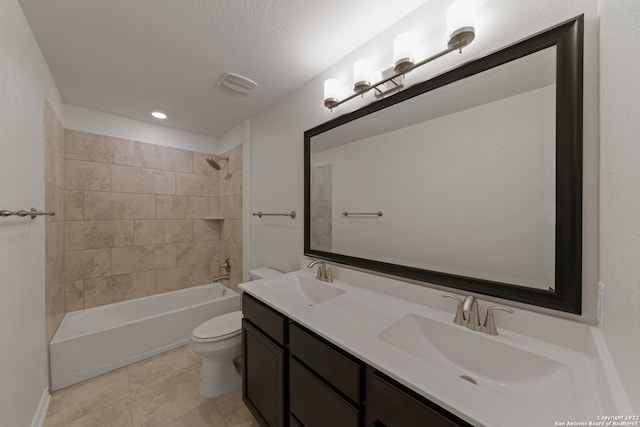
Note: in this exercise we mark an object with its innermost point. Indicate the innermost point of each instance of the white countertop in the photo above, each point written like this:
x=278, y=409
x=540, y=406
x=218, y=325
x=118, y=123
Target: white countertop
x=354, y=320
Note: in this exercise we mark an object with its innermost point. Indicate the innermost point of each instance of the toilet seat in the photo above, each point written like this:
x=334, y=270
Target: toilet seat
x=219, y=328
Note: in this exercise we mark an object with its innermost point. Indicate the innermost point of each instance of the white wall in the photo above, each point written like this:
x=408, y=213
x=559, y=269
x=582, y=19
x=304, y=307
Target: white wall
x=25, y=82
x=87, y=120
x=620, y=187
x=277, y=177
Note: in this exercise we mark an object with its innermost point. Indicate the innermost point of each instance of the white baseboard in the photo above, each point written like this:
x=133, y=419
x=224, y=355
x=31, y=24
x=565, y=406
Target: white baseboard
x=41, y=413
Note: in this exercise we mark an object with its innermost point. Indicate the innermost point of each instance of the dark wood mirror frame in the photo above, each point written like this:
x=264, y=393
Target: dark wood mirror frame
x=567, y=295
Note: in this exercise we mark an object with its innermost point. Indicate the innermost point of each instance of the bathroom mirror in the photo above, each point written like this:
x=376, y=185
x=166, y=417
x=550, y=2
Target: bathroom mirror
x=470, y=180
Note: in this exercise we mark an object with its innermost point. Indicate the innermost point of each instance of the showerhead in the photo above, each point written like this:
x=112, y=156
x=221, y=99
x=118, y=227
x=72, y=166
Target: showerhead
x=216, y=164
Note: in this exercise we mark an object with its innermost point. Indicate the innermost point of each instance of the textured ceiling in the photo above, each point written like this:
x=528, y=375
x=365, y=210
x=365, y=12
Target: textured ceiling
x=129, y=57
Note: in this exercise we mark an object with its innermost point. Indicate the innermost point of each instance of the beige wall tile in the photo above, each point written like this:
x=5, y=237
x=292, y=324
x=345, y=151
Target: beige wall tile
x=231, y=185
x=231, y=207
x=53, y=166
x=196, y=185
x=53, y=129
x=80, y=235
x=143, y=258
x=231, y=231
x=200, y=165
x=214, y=207
x=97, y=148
x=54, y=251
x=107, y=290
x=129, y=179
x=74, y=295
x=196, y=252
x=54, y=282
x=233, y=252
x=80, y=175
x=165, y=158
x=53, y=202
x=235, y=158
x=98, y=205
x=182, y=276
x=179, y=207
x=73, y=205
x=206, y=229
x=150, y=232
x=87, y=264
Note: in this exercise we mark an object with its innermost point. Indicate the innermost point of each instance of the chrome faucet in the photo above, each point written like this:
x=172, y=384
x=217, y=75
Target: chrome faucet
x=467, y=315
x=324, y=272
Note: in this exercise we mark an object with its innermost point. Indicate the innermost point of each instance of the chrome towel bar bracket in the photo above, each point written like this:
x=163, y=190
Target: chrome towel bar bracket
x=22, y=213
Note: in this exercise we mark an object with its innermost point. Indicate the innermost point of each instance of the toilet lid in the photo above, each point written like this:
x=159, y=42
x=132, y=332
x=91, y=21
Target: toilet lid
x=220, y=327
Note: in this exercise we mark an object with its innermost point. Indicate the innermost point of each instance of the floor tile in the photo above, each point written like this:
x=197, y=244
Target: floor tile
x=197, y=360
x=234, y=410
x=167, y=401
x=86, y=397
x=115, y=415
x=206, y=415
x=155, y=370
x=161, y=391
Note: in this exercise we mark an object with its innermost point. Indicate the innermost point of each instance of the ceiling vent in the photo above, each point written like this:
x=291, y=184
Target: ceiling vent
x=240, y=85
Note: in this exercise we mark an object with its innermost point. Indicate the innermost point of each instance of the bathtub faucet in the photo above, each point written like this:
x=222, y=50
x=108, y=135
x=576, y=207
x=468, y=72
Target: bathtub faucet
x=222, y=277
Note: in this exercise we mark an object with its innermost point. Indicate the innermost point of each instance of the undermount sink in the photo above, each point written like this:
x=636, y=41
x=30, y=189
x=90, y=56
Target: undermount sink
x=480, y=359
x=303, y=289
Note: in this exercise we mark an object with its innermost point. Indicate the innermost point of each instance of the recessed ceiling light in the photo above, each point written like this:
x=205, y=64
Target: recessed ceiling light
x=159, y=115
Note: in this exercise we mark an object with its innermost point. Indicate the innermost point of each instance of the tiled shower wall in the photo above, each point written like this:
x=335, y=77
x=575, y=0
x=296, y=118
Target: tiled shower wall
x=54, y=225
x=321, y=224
x=134, y=219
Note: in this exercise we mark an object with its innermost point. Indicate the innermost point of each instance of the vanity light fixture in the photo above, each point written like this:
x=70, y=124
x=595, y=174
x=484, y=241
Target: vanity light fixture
x=461, y=32
x=159, y=115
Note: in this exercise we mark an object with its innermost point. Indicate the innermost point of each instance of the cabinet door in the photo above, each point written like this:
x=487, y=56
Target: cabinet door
x=388, y=405
x=264, y=376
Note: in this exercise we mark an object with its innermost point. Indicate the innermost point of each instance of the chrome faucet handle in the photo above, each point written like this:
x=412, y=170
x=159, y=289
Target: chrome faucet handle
x=470, y=306
x=459, y=319
x=490, y=323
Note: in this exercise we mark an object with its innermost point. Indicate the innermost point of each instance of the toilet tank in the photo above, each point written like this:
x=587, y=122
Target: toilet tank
x=263, y=273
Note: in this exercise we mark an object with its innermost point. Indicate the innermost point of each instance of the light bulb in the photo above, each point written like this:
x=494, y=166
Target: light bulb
x=404, y=47
x=460, y=23
x=330, y=93
x=361, y=75
x=159, y=115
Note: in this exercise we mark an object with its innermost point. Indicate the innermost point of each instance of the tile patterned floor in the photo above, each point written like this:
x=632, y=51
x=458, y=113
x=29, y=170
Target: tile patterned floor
x=158, y=392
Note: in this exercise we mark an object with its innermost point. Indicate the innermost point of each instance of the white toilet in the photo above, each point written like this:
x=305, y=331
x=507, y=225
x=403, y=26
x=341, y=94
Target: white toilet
x=218, y=341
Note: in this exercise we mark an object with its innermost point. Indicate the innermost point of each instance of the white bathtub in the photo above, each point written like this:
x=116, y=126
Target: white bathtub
x=96, y=340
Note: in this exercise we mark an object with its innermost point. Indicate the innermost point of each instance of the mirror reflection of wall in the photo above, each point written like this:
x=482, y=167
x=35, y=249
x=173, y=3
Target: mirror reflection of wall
x=465, y=176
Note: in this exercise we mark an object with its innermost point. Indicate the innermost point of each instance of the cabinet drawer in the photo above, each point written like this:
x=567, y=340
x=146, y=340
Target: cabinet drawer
x=390, y=406
x=265, y=318
x=314, y=404
x=331, y=364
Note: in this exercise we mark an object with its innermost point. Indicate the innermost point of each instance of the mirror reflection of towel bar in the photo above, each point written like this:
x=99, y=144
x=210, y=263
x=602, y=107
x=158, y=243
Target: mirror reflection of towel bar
x=260, y=214
x=22, y=213
x=345, y=213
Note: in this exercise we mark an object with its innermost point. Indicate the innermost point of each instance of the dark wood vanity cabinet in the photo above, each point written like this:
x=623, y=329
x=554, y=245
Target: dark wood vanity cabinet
x=390, y=404
x=264, y=369
x=324, y=382
x=293, y=377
